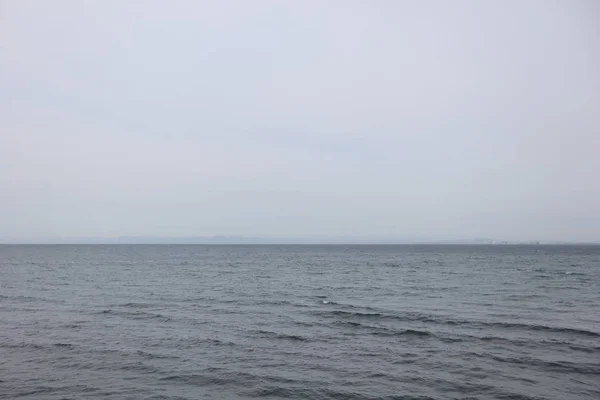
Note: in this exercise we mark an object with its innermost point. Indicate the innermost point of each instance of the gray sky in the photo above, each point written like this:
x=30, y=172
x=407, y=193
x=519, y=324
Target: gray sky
x=391, y=119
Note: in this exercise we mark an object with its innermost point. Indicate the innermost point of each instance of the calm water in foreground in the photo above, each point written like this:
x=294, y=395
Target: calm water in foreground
x=300, y=322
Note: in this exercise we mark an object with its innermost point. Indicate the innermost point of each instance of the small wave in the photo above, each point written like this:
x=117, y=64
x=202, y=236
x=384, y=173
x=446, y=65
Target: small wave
x=542, y=276
x=67, y=345
x=3, y=296
x=28, y=299
x=21, y=346
x=524, y=296
x=346, y=306
x=278, y=391
x=304, y=323
x=73, y=325
x=356, y=314
x=152, y=356
x=451, y=339
x=137, y=315
x=219, y=342
x=380, y=316
x=134, y=305
x=214, y=377
x=308, y=392
x=188, y=343
x=585, y=349
x=405, y=332
x=284, y=336
x=281, y=303
x=126, y=354
x=349, y=315
x=554, y=329
x=39, y=390
x=526, y=343
x=390, y=264
x=382, y=331
x=554, y=366
x=335, y=303
x=139, y=367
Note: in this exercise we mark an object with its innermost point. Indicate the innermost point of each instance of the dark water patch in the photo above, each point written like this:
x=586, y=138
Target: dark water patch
x=64, y=345
x=137, y=305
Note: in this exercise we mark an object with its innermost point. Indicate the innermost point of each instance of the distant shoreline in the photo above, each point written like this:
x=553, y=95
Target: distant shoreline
x=141, y=243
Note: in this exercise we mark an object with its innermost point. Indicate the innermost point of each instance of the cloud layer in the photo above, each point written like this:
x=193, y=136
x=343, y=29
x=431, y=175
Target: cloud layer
x=389, y=119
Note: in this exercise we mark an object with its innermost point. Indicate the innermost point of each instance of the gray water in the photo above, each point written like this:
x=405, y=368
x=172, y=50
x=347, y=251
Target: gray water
x=301, y=322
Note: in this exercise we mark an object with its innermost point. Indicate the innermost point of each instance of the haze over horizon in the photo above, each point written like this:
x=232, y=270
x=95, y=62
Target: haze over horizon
x=380, y=120
x=241, y=240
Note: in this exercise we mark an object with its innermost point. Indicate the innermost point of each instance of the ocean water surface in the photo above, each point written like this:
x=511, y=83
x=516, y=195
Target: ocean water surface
x=299, y=322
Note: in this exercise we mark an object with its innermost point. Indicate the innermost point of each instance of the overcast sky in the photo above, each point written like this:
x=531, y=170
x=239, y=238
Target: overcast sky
x=375, y=119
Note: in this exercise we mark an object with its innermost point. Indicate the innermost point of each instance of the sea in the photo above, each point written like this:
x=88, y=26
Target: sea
x=365, y=322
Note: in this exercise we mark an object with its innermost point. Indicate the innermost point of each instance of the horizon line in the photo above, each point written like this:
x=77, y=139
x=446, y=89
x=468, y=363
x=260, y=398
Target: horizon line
x=290, y=240
x=308, y=243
